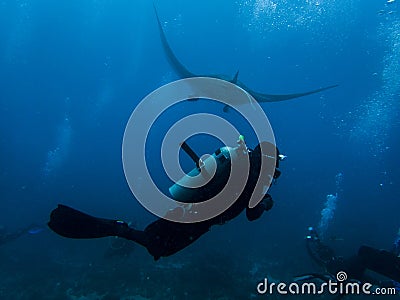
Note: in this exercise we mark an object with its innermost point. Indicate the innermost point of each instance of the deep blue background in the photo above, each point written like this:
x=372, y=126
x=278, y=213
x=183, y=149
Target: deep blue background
x=71, y=73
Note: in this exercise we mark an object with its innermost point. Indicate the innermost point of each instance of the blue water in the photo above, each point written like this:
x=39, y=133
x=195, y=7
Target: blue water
x=72, y=72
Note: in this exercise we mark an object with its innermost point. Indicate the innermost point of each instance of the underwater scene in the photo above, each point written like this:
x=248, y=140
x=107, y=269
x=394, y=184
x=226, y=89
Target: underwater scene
x=242, y=149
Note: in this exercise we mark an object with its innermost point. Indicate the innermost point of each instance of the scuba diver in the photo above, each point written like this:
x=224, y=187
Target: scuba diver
x=164, y=237
x=382, y=262
x=6, y=237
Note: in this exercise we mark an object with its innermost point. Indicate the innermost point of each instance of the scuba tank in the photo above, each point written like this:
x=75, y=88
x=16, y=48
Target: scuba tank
x=210, y=175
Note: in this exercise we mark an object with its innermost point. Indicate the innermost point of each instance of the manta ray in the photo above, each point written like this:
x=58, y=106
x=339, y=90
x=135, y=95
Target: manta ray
x=183, y=72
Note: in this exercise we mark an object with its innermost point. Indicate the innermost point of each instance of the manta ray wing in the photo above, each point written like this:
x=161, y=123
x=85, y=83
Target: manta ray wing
x=183, y=72
x=260, y=97
x=179, y=68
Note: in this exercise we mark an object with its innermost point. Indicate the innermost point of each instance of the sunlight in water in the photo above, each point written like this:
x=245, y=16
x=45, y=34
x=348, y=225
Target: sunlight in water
x=273, y=15
x=103, y=101
x=377, y=116
x=18, y=35
x=264, y=7
x=57, y=156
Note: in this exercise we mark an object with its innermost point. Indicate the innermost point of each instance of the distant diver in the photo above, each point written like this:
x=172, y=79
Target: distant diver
x=7, y=237
x=382, y=262
x=163, y=237
x=183, y=72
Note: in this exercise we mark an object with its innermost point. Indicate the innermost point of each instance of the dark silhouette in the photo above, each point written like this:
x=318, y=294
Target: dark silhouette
x=382, y=262
x=164, y=237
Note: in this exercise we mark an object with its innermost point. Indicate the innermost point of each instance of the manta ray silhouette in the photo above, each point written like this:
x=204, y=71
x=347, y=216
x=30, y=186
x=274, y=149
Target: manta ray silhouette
x=183, y=72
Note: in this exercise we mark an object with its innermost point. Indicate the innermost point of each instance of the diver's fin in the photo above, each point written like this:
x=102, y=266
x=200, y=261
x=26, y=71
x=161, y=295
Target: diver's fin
x=71, y=223
x=381, y=261
x=235, y=78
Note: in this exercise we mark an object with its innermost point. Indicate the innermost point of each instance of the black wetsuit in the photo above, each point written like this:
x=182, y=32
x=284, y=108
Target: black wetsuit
x=164, y=237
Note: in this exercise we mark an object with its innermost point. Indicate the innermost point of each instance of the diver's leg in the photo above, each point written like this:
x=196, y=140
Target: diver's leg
x=165, y=237
x=161, y=238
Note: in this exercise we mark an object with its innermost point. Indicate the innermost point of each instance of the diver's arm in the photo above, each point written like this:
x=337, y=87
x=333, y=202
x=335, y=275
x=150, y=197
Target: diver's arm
x=256, y=212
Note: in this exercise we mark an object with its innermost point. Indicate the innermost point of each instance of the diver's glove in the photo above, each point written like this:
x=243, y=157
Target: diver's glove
x=265, y=205
x=267, y=202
